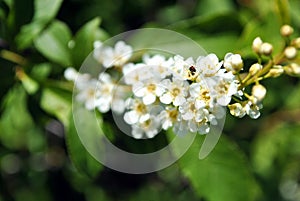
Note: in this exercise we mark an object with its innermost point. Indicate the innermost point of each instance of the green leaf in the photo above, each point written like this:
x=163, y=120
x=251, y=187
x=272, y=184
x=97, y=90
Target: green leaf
x=275, y=146
x=283, y=8
x=222, y=175
x=46, y=9
x=80, y=157
x=16, y=124
x=93, y=193
x=17, y=15
x=213, y=44
x=264, y=7
x=84, y=40
x=294, y=11
x=32, y=192
x=171, y=14
x=211, y=25
x=28, y=33
x=214, y=7
x=293, y=100
x=211, y=34
x=53, y=43
x=41, y=71
x=57, y=103
x=160, y=191
x=31, y=31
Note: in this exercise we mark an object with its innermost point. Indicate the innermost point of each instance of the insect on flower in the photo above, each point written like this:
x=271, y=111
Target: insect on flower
x=192, y=70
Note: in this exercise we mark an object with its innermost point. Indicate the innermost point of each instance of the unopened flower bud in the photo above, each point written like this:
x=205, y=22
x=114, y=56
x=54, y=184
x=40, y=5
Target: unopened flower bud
x=292, y=69
x=286, y=30
x=290, y=52
x=70, y=74
x=233, y=62
x=237, y=110
x=255, y=68
x=259, y=91
x=256, y=44
x=275, y=71
x=296, y=42
x=266, y=49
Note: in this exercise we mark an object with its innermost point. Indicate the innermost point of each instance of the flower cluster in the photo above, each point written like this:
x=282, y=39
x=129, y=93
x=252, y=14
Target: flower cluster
x=175, y=92
x=186, y=94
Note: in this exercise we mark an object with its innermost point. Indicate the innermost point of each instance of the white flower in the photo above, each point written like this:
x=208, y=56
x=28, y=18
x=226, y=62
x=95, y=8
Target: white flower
x=190, y=70
x=99, y=94
x=118, y=105
x=176, y=91
x=200, y=122
x=119, y=94
x=181, y=128
x=142, y=118
x=179, y=64
x=199, y=119
x=159, y=64
x=209, y=65
x=80, y=80
x=134, y=73
x=104, y=95
x=237, y=110
x=109, y=56
x=200, y=127
x=86, y=86
x=88, y=93
x=202, y=95
x=252, y=109
x=186, y=69
x=99, y=52
x=148, y=90
x=218, y=112
x=223, y=87
x=233, y=62
x=138, y=112
x=148, y=128
x=188, y=109
x=196, y=120
x=168, y=117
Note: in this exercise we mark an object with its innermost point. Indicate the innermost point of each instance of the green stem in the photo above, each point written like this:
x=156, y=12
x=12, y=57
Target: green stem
x=13, y=57
x=239, y=77
x=261, y=74
x=68, y=86
x=236, y=99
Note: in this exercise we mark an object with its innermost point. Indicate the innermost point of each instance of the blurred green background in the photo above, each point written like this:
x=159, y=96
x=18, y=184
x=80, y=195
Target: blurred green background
x=41, y=157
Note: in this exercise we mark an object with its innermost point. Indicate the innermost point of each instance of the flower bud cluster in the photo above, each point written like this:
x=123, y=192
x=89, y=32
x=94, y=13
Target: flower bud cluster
x=262, y=48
